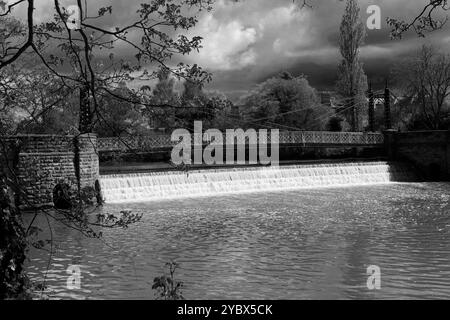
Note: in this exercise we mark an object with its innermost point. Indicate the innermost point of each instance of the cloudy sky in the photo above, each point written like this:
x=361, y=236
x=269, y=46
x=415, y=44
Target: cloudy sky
x=248, y=41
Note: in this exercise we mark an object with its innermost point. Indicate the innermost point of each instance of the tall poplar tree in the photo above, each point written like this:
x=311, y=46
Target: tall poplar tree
x=352, y=81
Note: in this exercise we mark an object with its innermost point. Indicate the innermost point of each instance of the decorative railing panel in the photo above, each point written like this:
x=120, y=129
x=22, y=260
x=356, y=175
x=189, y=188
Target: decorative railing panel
x=300, y=138
x=331, y=138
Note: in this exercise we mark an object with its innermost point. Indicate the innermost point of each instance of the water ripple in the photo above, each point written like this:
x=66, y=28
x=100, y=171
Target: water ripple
x=305, y=244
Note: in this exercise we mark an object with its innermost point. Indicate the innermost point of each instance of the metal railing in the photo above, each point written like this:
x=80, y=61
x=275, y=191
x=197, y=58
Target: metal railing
x=301, y=138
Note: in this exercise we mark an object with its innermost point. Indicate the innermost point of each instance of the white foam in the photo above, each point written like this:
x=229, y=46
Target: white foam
x=170, y=185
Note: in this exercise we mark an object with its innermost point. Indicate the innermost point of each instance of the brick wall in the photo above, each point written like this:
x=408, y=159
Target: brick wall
x=42, y=161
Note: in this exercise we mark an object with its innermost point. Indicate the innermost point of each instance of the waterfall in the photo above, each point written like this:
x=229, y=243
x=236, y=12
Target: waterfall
x=168, y=185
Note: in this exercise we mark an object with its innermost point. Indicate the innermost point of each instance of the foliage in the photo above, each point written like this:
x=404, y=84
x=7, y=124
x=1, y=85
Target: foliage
x=193, y=104
x=423, y=81
x=7, y=126
x=284, y=101
x=199, y=105
x=37, y=100
x=85, y=62
x=166, y=287
x=163, y=94
x=223, y=110
x=428, y=19
x=120, y=117
x=13, y=249
x=81, y=210
x=11, y=31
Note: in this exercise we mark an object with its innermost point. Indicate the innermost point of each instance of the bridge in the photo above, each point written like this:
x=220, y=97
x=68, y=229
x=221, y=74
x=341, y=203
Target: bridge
x=320, y=139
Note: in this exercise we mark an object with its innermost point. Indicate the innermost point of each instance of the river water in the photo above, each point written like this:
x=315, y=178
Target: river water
x=300, y=244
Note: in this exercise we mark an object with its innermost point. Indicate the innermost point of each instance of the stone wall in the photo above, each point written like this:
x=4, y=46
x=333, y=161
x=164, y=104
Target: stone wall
x=43, y=161
x=428, y=151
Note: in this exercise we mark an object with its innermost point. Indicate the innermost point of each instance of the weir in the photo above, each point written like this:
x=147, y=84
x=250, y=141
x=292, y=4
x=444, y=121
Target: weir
x=156, y=186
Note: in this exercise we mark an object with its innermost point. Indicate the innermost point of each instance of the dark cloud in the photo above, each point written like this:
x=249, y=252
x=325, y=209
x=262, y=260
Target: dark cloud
x=306, y=42
x=248, y=41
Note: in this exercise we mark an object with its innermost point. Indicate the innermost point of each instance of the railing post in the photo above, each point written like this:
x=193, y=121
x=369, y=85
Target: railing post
x=353, y=116
x=371, y=110
x=387, y=108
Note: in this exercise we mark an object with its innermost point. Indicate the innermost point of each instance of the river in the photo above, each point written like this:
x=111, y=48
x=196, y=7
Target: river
x=298, y=244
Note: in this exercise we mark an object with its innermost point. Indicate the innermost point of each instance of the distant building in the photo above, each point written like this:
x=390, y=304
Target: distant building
x=236, y=110
x=327, y=97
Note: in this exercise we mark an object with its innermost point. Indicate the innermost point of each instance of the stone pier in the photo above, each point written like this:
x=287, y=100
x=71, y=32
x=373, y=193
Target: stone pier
x=40, y=162
x=428, y=151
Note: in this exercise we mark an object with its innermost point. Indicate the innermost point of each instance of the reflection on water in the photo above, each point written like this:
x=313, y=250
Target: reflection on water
x=305, y=244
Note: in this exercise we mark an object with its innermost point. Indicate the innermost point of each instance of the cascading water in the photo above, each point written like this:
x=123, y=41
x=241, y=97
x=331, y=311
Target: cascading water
x=168, y=185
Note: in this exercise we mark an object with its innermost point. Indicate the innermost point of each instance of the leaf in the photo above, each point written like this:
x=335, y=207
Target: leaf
x=12, y=265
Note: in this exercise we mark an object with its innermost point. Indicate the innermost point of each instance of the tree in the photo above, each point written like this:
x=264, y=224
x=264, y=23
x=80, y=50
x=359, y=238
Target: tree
x=120, y=117
x=88, y=50
x=95, y=73
x=352, y=81
x=163, y=94
x=225, y=115
x=286, y=102
x=11, y=30
x=194, y=106
x=36, y=100
x=424, y=80
x=197, y=104
x=428, y=19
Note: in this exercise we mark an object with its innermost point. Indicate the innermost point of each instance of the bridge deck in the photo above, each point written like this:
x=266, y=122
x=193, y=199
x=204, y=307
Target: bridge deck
x=286, y=138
